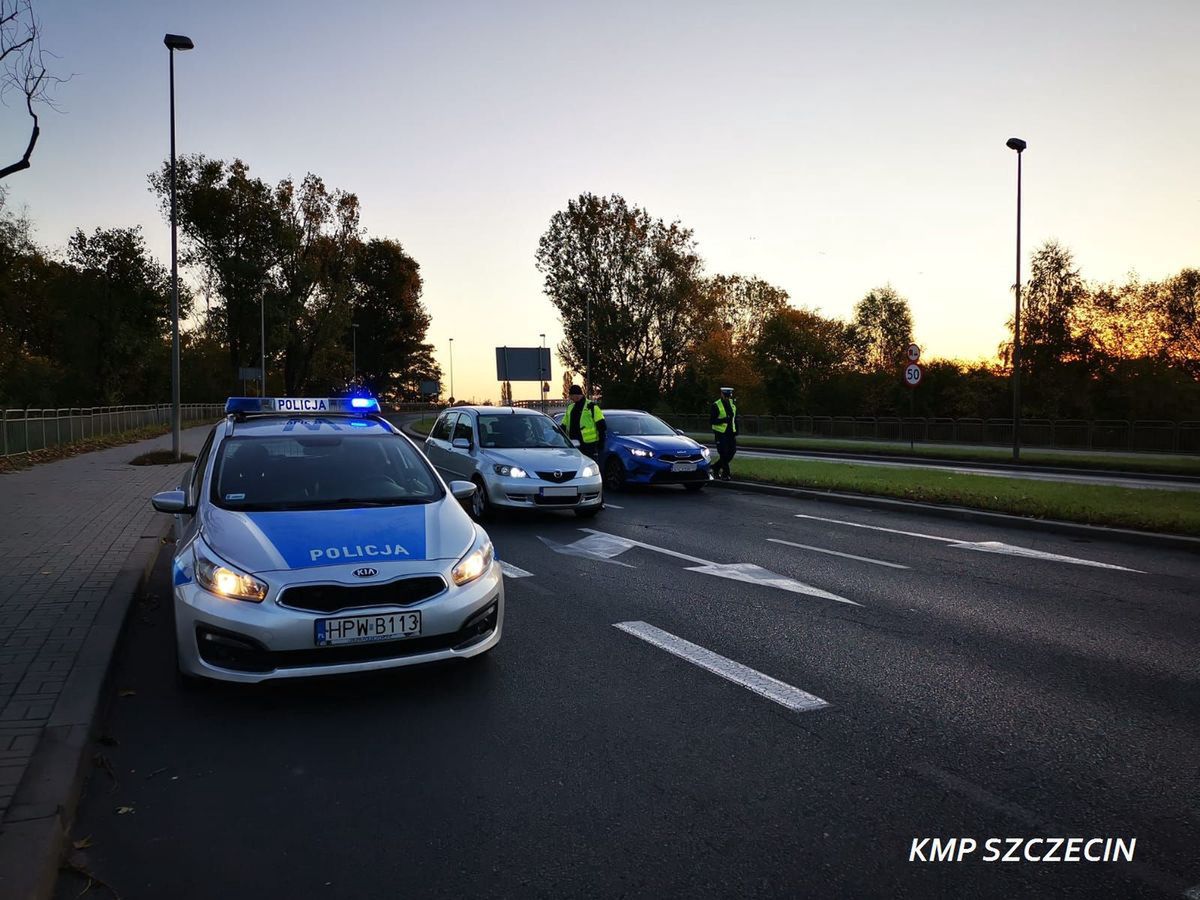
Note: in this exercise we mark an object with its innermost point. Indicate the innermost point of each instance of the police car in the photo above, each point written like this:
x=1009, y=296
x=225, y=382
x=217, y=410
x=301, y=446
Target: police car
x=314, y=538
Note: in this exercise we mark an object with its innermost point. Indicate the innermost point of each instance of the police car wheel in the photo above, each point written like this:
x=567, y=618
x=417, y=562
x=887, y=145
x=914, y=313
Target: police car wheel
x=614, y=475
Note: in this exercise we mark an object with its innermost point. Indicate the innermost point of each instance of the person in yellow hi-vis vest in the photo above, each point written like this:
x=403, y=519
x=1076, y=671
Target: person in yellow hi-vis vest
x=584, y=422
x=723, y=419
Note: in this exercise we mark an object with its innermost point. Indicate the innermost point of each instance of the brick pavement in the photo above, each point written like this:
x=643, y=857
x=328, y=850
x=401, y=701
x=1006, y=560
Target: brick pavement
x=66, y=530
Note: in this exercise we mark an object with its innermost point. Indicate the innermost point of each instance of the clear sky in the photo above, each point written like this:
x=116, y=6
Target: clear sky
x=826, y=147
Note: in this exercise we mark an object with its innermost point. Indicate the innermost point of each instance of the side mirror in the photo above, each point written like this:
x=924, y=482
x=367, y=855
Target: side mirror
x=461, y=444
x=462, y=490
x=173, y=502
x=681, y=432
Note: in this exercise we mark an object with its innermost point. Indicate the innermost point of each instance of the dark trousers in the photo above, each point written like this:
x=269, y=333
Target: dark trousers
x=591, y=451
x=726, y=449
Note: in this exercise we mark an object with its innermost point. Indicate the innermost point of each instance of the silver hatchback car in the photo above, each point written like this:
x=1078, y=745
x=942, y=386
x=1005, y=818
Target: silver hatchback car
x=517, y=458
x=313, y=538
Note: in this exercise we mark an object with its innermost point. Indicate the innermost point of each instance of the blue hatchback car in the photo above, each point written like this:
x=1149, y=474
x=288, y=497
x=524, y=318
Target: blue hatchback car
x=643, y=449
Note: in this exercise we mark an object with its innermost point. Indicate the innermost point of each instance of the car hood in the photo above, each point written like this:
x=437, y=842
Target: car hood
x=538, y=459
x=664, y=443
x=303, y=539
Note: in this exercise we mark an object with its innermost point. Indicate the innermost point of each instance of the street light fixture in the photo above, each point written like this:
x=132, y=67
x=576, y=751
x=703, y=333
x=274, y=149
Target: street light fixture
x=174, y=42
x=451, y=370
x=1018, y=145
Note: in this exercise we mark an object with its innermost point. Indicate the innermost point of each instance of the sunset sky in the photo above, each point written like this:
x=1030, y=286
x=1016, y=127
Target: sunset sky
x=827, y=148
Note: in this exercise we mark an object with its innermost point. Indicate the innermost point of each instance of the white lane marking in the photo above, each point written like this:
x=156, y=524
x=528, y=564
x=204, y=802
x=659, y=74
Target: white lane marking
x=598, y=546
x=764, y=685
x=866, y=559
x=981, y=546
x=747, y=572
x=753, y=574
x=512, y=571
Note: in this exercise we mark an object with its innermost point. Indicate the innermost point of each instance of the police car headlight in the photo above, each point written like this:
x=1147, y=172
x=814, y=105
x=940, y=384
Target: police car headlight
x=510, y=471
x=587, y=471
x=475, y=563
x=225, y=581
x=638, y=451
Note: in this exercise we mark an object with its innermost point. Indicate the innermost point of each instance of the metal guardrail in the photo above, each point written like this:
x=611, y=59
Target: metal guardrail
x=1139, y=435
x=23, y=431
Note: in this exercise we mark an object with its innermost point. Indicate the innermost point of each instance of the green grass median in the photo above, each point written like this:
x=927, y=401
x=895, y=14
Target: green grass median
x=1177, y=512
x=1112, y=461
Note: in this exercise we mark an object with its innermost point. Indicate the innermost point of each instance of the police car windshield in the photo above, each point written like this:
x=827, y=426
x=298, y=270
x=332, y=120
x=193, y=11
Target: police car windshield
x=321, y=472
x=647, y=426
x=509, y=431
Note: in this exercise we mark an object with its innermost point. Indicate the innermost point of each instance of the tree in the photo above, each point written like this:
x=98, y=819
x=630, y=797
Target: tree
x=22, y=69
x=881, y=330
x=740, y=305
x=506, y=397
x=1177, y=303
x=798, y=351
x=640, y=279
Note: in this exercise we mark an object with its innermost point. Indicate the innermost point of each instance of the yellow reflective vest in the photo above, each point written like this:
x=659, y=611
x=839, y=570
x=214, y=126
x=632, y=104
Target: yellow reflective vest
x=725, y=415
x=588, y=417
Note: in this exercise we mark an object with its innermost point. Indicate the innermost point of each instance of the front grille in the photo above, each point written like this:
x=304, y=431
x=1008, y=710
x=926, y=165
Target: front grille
x=682, y=457
x=556, y=477
x=331, y=598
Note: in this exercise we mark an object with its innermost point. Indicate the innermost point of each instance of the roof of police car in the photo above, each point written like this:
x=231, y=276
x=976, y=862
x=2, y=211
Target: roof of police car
x=291, y=424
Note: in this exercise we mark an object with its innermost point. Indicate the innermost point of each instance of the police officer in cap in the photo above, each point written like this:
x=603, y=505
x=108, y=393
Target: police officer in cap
x=723, y=419
x=584, y=422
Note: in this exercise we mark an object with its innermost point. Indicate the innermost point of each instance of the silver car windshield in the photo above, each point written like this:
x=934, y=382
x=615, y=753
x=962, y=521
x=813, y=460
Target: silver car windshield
x=509, y=432
x=637, y=425
x=321, y=472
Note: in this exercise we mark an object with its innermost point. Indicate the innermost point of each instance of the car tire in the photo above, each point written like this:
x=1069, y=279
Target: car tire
x=694, y=486
x=589, y=512
x=614, y=474
x=481, y=506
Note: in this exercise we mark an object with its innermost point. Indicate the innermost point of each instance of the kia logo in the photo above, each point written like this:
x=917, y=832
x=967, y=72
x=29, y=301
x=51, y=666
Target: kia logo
x=366, y=572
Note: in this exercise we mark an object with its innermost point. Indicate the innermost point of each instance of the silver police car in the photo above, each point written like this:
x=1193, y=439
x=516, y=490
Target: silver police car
x=314, y=538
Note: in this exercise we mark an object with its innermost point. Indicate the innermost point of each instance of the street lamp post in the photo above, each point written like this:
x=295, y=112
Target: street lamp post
x=587, y=373
x=354, y=350
x=174, y=42
x=262, y=336
x=451, y=369
x=542, y=376
x=1018, y=145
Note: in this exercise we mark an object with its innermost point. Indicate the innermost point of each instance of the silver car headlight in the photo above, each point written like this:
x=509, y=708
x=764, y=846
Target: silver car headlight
x=510, y=471
x=638, y=451
x=477, y=561
x=588, y=471
x=220, y=578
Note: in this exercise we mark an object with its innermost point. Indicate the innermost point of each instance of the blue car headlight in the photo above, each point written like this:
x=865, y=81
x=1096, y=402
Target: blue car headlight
x=705, y=452
x=639, y=452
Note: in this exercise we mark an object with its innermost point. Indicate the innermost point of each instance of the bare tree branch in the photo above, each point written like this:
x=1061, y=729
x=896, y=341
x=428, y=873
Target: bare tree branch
x=20, y=39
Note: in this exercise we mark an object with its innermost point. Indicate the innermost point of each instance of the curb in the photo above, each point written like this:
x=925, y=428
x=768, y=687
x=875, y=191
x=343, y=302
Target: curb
x=962, y=513
x=35, y=829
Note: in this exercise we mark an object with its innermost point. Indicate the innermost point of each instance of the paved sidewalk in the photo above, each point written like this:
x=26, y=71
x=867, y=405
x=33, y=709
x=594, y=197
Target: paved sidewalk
x=67, y=529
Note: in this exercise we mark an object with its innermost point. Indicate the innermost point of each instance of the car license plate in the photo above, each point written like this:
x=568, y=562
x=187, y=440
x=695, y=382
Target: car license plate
x=359, y=629
x=560, y=492
x=683, y=467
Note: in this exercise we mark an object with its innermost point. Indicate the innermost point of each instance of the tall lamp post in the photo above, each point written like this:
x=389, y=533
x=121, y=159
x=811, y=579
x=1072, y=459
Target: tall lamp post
x=354, y=350
x=452, y=370
x=262, y=337
x=174, y=42
x=542, y=376
x=1018, y=145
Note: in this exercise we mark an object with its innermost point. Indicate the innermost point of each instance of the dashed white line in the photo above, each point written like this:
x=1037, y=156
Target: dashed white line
x=866, y=559
x=764, y=685
x=512, y=571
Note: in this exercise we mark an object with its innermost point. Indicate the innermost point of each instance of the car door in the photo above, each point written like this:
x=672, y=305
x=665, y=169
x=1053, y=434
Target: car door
x=193, y=487
x=462, y=459
x=437, y=445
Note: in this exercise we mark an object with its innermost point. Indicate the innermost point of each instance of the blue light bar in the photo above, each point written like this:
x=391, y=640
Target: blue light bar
x=302, y=405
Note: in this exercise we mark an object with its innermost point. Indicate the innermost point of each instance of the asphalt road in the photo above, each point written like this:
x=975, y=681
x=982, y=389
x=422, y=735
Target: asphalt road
x=960, y=690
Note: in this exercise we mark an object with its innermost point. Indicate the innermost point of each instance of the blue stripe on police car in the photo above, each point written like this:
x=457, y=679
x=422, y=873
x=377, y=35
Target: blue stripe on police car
x=339, y=536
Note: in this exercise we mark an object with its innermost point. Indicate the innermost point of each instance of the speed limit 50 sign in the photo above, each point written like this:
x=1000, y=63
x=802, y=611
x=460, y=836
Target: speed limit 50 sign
x=912, y=374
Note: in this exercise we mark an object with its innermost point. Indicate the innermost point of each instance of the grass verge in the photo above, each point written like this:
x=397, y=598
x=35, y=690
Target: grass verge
x=1117, y=462
x=423, y=425
x=105, y=442
x=1177, y=512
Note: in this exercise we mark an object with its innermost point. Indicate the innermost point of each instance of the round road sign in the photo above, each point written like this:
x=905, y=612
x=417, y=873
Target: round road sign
x=914, y=352
x=912, y=375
